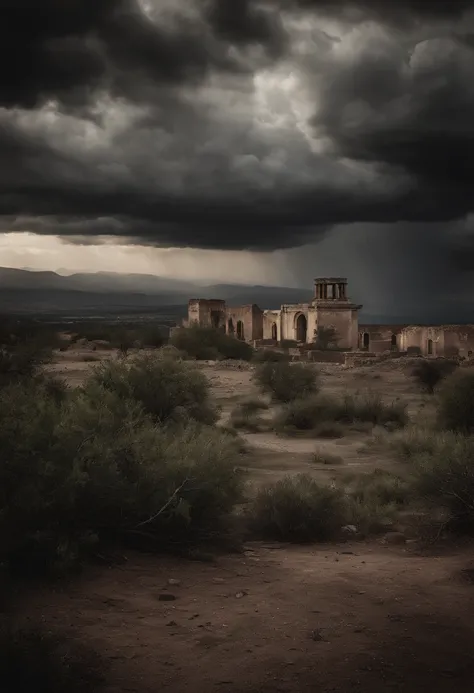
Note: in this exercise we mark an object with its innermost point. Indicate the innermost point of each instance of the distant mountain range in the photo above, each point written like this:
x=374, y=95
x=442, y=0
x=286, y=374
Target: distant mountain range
x=33, y=292
x=24, y=290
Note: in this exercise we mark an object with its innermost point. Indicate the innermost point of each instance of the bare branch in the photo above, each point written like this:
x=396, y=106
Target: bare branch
x=165, y=506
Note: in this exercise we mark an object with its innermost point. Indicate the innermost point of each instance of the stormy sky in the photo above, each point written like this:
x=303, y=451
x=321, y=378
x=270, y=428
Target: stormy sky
x=260, y=140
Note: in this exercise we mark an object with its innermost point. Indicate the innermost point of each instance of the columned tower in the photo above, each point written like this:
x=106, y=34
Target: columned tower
x=330, y=288
x=334, y=309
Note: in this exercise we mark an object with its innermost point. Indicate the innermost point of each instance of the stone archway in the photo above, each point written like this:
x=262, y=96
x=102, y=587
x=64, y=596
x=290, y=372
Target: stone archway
x=301, y=328
x=430, y=347
x=365, y=340
x=240, y=330
x=393, y=341
x=274, y=332
x=230, y=327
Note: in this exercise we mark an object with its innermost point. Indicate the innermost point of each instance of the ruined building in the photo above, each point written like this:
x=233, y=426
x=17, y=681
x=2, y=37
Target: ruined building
x=329, y=307
x=427, y=340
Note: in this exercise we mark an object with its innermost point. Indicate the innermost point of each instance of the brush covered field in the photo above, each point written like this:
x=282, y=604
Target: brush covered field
x=340, y=572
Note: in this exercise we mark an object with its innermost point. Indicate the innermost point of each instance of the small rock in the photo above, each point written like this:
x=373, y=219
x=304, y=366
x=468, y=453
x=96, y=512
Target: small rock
x=167, y=597
x=395, y=538
x=172, y=623
x=218, y=580
x=349, y=529
x=174, y=583
x=316, y=635
x=241, y=594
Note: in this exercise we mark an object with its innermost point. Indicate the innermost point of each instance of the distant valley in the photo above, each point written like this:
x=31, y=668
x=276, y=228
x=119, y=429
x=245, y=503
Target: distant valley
x=26, y=291
x=40, y=294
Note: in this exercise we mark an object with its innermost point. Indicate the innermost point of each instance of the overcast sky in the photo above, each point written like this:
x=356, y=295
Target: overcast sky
x=264, y=141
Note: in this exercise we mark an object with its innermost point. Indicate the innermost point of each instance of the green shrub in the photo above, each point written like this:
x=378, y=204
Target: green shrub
x=246, y=415
x=170, y=352
x=429, y=373
x=306, y=414
x=265, y=355
x=94, y=468
x=311, y=413
x=380, y=487
x=166, y=389
x=326, y=338
x=444, y=478
x=206, y=343
x=287, y=382
x=24, y=361
x=370, y=516
x=456, y=402
x=371, y=408
x=152, y=336
x=410, y=444
x=297, y=509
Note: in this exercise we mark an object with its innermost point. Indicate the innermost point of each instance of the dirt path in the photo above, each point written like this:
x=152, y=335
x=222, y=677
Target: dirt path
x=345, y=618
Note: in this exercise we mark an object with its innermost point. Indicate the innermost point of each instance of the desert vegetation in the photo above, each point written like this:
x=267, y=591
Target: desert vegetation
x=152, y=452
x=206, y=343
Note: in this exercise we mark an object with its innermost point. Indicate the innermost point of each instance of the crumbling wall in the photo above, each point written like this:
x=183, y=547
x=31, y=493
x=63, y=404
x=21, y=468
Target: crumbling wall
x=271, y=325
x=327, y=356
x=207, y=312
x=344, y=321
x=380, y=337
x=245, y=322
x=290, y=313
x=459, y=340
x=428, y=339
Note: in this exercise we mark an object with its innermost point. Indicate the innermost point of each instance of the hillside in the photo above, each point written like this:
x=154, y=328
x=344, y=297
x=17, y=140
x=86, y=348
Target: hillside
x=49, y=292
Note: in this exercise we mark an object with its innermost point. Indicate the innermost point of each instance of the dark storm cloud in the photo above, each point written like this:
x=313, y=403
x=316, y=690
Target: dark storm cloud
x=399, y=11
x=155, y=133
x=67, y=50
x=247, y=22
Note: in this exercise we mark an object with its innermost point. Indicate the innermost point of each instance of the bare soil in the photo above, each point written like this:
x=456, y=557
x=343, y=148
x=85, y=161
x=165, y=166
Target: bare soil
x=331, y=618
x=348, y=617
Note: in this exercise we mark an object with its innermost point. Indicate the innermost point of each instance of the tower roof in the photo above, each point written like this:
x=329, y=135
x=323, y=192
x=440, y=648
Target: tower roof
x=331, y=280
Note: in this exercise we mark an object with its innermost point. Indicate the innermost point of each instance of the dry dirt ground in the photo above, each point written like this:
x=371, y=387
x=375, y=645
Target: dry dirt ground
x=348, y=617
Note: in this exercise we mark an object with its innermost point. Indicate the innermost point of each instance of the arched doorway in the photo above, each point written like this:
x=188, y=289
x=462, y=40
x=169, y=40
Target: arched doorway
x=301, y=328
x=274, y=332
x=230, y=327
x=215, y=319
x=393, y=341
x=240, y=330
x=430, y=347
x=366, y=340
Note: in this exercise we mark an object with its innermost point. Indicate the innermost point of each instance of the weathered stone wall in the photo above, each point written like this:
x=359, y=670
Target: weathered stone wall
x=381, y=337
x=326, y=356
x=459, y=340
x=429, y=339
x=290, y=314
x=271, y=325
x=206, y=312
x=245, y=322
x=344, y=321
